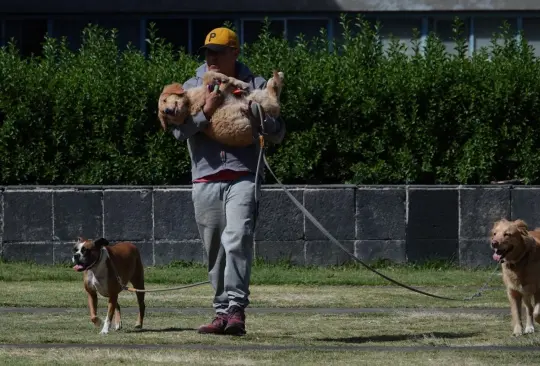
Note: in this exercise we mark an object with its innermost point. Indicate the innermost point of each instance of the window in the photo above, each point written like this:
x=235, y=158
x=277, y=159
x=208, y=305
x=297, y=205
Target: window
x=309, y=28
x=484, y=28
x=174, y=31
x=400, y=28
x=71, y=29
x=443, y=28
x=3, y=40
x=338, y=28
x=531, y=32
x=29, y=35
x=128, y=31
x=253, y=28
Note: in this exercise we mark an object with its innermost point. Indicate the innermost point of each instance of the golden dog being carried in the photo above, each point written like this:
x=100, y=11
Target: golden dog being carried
x=231, y=123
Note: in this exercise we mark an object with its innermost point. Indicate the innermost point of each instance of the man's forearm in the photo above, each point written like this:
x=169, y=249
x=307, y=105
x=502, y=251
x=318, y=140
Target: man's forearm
x=190, y=127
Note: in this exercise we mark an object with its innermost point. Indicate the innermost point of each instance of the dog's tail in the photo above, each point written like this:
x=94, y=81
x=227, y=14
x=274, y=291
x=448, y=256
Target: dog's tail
x=137, y=279
x=139, y=265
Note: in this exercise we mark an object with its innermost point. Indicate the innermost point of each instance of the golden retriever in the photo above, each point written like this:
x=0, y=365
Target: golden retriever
x=518, y=249
x=230, y=123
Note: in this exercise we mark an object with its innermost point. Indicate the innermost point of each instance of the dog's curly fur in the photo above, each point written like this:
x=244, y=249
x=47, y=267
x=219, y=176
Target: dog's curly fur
x=231, y=123
x=518, y=248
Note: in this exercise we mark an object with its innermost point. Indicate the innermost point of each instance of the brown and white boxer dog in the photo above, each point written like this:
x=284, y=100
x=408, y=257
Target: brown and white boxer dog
x=104, y=266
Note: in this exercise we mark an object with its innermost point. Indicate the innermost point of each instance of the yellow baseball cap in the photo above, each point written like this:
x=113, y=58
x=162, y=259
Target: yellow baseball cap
x=220, y=38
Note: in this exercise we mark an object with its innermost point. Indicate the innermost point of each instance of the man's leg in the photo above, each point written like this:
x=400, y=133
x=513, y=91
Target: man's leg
x=209, y=215
x=237, y=240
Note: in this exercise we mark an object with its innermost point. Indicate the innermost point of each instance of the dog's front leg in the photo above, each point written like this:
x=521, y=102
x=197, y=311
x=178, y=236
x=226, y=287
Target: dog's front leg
x=515, y=307
x=536, y=311
x=223, y=87
x=239, y=84
x=118, y=318
x=113, y=300
x=92, y=308
x=529, y=322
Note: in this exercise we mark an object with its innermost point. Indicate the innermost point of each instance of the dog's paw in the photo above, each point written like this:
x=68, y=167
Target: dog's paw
x=278, y=76
x=106, y=327
x=529, y=329
x=97, y=322
x=241, y=85
x=138, y=326
x=518, y=331
x=118, y=326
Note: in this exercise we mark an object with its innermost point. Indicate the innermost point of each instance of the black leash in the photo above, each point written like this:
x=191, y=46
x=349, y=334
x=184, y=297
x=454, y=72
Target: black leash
x=262, y=157
x=336, y=242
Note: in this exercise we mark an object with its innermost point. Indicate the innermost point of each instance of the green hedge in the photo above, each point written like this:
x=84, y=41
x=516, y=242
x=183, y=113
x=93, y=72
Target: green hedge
x=356, y=112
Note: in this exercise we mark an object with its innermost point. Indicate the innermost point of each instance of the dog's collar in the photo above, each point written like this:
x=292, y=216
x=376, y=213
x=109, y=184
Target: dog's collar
x=516, y=262
x=97, y=260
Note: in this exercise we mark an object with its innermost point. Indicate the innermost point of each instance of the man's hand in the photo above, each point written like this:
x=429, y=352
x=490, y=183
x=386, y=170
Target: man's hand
x=213, y=101
x=255, y=117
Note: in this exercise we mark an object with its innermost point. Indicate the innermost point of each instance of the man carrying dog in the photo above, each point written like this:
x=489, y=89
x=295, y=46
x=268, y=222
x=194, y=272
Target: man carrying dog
x=224, y=186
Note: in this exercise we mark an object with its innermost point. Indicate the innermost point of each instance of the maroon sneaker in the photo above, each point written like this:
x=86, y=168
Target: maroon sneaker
x=216, y=327
x=236, y=323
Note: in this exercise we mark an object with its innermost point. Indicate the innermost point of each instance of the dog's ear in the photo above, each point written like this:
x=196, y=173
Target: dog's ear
x=522, y=227
x=528, y=241
x=101, y=242
x=174, y=88
x=162, y=120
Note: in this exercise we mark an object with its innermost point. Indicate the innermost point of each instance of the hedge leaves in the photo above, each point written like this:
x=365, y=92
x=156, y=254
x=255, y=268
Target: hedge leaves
x=357, y=111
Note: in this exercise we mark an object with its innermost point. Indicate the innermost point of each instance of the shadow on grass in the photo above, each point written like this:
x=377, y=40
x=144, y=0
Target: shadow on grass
x=399, y=337
x=163, y=330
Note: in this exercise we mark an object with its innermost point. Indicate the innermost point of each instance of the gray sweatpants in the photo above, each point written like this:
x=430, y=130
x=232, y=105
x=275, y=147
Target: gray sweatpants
x=225, y=213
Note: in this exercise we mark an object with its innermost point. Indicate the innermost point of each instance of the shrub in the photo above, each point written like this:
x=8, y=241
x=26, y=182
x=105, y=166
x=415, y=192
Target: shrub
x=356, y=110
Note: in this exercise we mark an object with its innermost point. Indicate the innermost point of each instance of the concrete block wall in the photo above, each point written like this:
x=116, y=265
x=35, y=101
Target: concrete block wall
x=398, y=223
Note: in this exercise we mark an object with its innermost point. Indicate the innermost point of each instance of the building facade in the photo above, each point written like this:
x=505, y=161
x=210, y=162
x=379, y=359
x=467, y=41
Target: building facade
x=184, y=24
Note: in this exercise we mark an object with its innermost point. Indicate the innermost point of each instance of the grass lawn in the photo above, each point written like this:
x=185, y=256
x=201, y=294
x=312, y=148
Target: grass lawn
x=272, y=286
x=81, y=356
x=407, y=328
x=431, y=274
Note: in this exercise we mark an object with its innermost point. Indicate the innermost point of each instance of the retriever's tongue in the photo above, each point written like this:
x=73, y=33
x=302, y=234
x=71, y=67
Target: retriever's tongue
x=496, y=257
x=77, y=267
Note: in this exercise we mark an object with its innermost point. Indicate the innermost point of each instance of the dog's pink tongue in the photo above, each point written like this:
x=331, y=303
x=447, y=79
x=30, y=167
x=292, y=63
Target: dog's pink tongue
x=77, y=267
x=496, y=257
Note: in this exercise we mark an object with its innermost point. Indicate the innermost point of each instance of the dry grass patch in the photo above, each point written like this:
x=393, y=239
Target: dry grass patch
x=85, y=355
x=71, y=294
x=428, y=274
x=430, y=335
x=383, y=329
